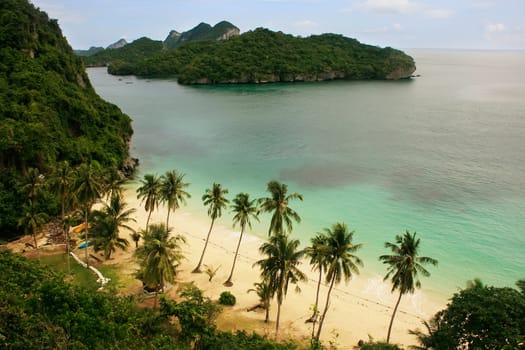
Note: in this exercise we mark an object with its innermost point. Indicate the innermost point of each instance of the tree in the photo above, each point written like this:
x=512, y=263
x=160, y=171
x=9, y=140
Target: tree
x=280, y=268
x=404, y=265
x=317, y=254
x=244, y=209
x=149, y=193
x=108, y=222
x=33, y=185
x=61, y=182
x=172, y=191
x=339, y=260
x=158, y=257
x=277, y=204
x=87, y=189
x=32, y=220
x=478, y=317
x=215, y=199
x=265, y=293
x=114, y=180
x=135, y=236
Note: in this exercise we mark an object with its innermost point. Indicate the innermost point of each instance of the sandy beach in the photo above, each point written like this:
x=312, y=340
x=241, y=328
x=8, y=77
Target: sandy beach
x=359, y=309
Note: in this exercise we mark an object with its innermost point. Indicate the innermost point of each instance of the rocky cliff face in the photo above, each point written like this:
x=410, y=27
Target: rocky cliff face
x=401, y=73
x=118, y=44
x=203, y=31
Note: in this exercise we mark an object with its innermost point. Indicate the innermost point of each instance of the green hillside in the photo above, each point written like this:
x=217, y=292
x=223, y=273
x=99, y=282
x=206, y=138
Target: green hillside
x=49, y=111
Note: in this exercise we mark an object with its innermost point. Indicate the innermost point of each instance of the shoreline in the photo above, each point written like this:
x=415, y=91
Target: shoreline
x=359, y=309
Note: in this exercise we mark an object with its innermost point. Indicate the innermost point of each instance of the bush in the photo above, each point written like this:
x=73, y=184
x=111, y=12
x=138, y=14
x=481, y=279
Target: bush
x=227, y=298
x=379, y=346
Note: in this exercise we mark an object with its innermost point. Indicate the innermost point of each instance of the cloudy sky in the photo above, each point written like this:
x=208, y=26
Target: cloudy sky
x=467, y=24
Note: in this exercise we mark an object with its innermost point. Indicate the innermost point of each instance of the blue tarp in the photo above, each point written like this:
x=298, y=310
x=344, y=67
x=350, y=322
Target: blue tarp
x=83, y=245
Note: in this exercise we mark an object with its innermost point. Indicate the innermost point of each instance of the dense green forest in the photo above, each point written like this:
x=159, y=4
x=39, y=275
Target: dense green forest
x=262, y=55
x=49, y=112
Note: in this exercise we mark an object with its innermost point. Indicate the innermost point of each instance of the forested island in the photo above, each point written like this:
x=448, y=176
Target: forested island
x=258, y=56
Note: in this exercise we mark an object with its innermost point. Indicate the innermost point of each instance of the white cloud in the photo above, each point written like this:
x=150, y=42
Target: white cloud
x=495, y=27
x=388, y=6
x=306, y=26
x=397, y=26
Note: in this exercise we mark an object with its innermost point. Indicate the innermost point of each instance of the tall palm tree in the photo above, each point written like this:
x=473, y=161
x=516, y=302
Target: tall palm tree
x=61, y=182
x=244, y=209
x=317, y=254
x=149, y=193
x=32, y=220
x=215, y=199
x=280, y=267
x=340, y=261
x=403, y=268
x=87, y=189
x=277, y=204
x=172, y=191
x=158, y=257
x=108, y=222
x=114, y=182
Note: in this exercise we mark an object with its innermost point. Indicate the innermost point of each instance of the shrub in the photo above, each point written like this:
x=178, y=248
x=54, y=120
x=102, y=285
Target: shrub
x=227, y=298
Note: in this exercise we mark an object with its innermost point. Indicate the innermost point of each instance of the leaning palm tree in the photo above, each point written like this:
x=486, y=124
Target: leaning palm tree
x=108, y=222
x=318, y=261
x=172, y=191
x=340, y=261
x=149, y=193
x=280, y=267
x=158, y=257
x=87, y=189
x=277, y=204
x=404, y=266
x=215, y=199
x=244, y=209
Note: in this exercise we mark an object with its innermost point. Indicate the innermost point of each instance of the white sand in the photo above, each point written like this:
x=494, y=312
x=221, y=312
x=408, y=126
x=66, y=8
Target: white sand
x=359, y=309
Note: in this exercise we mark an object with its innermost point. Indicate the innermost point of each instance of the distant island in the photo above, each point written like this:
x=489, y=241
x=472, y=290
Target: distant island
x=220, y=55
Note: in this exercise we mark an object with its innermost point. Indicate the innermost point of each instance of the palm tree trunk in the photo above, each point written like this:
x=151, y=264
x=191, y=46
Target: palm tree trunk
x=168, y=219
x=198, y=268
x=392, y=318
x=277, y=319
x=321, y=321
x=147, y=220
x=86, y=235
x=267, y=316
x=313, y=318
x=229, y=282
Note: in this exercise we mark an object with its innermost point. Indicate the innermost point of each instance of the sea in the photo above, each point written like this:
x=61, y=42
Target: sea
x=441, y=154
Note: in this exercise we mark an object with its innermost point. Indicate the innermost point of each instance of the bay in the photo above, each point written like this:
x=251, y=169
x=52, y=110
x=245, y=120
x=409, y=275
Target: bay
x=442, y=154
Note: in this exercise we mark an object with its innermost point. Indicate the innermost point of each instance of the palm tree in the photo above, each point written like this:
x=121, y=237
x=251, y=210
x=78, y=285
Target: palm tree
x=215, y=199
x=265, y=293
x=158, y=257
x=61, y=182
x=108, y=222
x=280, y=268
x=149, y=193
x=244, y=209
x=404, y=266
x=316, y=253
x=114, y=181
x=278, y=205
x=340, y=261
x=135, y=236
x=172, y=191
x=32, y=220
x=34, y=184
x=87, y=189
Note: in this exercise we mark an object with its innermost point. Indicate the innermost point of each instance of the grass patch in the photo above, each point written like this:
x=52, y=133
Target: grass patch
x=79, y=276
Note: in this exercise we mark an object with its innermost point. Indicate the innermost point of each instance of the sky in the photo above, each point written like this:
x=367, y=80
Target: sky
x=404, y=24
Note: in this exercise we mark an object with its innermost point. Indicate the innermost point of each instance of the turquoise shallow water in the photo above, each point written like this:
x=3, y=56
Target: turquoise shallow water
x=442, y=154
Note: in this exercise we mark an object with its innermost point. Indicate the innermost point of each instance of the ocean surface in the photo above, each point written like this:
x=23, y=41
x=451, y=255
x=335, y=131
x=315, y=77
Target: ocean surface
x=442, y=154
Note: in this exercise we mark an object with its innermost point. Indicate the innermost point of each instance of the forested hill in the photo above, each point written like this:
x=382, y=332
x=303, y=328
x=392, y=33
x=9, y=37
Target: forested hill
x=262, y=55
x=49, y=111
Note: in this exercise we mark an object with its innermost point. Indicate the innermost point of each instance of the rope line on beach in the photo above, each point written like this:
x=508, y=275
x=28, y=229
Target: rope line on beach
x=101, y=279
x=337, y=289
